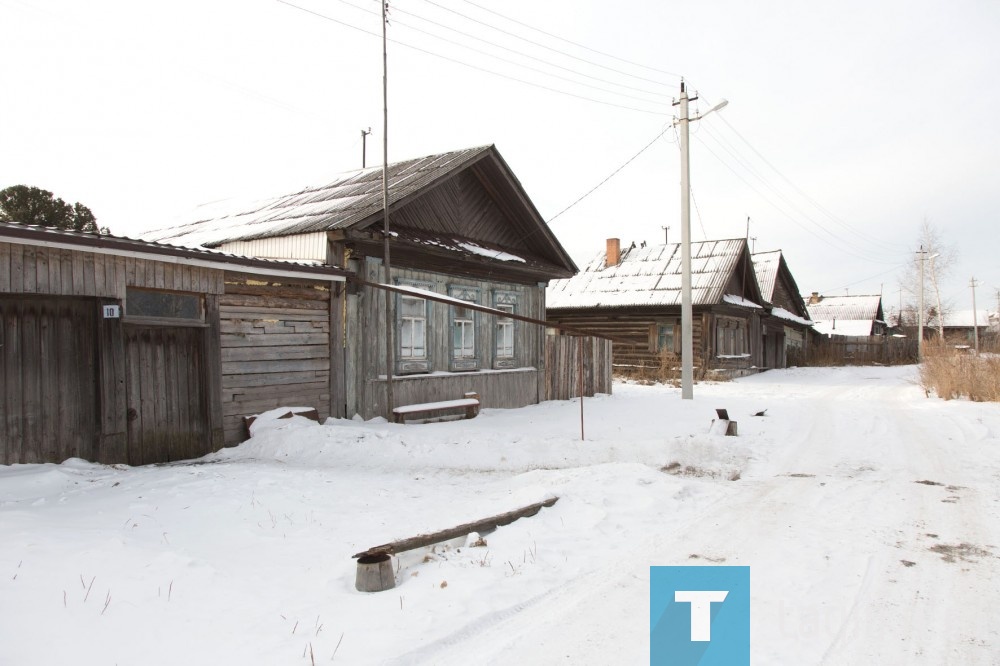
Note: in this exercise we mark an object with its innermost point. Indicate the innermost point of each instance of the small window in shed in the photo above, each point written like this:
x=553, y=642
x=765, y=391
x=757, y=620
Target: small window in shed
x=144, y=303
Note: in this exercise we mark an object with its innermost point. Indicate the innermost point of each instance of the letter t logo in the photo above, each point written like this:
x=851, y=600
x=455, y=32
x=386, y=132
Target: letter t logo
x=701, y=610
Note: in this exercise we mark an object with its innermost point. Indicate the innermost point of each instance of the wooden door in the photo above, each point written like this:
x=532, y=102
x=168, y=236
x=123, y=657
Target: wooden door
x=48, y=379
x=165, y=393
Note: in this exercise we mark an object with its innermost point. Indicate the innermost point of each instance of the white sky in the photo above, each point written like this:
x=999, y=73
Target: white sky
x=873, y=115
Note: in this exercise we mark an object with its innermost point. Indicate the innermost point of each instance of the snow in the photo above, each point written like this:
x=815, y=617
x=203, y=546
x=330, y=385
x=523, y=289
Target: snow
x=733, y=299
x=850, y=327
x=868, y=513
x=486, y=252
x=782, y=313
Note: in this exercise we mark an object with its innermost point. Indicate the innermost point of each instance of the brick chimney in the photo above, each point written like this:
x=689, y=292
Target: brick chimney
x=614, y=253
x=815, y=298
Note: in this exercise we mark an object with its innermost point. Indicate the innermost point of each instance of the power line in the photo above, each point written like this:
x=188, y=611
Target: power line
x=470, y=66
x=515, y=51
x=543, y=46
x=610, y=176
x=576, y=44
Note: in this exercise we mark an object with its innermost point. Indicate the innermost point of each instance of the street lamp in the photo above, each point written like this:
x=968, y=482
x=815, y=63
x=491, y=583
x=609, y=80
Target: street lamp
x=687, y=317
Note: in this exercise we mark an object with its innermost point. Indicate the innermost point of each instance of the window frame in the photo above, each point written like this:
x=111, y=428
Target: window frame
x=505, y=327
x=413, y=364
x=469, y=321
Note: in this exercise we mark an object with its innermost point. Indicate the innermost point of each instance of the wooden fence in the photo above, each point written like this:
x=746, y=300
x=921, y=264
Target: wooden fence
x=563, y=367
x=862, y=350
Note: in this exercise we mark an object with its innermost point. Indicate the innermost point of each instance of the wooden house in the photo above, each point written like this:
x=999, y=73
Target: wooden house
x=787, y=329
x=123, y=351
x=461, y=227
x=633, y=295
x=849, y=316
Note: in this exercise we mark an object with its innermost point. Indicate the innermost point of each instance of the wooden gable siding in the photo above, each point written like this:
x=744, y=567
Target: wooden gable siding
x=27, y=269
x=366, y=333
x=460, y=205
x=785, y=297
x=275, y=341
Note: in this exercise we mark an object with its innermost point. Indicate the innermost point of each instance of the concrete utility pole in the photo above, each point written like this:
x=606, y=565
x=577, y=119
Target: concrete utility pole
x=975, y=316
x=666, y=235
x=687, y=317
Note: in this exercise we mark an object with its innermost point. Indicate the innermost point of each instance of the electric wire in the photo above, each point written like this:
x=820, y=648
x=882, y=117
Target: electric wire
x=543, y=46
x=576, y=44
x=506, y=60
x=466, y=64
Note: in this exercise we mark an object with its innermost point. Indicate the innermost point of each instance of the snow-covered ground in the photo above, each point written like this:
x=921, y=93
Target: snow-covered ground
x=868, y=513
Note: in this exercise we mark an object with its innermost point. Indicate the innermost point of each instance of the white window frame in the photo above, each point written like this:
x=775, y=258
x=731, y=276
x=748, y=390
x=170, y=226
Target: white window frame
x=464, y=322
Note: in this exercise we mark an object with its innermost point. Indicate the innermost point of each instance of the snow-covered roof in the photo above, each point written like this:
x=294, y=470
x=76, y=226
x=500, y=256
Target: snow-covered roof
x=782, y=313
x=852, y=327
x=649, y=276
x=765, y=265
x=963, y=319
x=351, y=198
x=845, y=308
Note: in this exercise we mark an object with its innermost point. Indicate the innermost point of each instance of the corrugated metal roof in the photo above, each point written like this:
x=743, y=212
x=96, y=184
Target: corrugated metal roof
x=765, y=265
x=857, y=308
x=649, y=276
x=111, y=244
x=351, y=198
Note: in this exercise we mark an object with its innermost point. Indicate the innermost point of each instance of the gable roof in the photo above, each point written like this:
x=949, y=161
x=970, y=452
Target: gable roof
x=772, y=269
x=765, y=265
x=651, y=276
x=846, y=315
x=353, y=201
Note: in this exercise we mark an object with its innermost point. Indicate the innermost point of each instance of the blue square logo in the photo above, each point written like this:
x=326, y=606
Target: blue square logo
x=699, y=616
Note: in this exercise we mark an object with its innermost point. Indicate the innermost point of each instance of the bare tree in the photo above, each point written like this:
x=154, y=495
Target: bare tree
x=940, y=259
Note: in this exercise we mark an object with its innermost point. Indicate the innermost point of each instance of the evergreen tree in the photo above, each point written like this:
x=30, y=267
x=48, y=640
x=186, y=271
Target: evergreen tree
x=32, y=205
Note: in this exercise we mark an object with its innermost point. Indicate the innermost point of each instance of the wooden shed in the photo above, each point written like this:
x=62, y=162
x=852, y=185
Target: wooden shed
x=123, y=351
x=461, y=227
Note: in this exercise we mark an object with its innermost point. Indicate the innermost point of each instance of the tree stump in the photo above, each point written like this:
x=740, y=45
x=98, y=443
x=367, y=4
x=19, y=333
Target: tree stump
x=375, y=573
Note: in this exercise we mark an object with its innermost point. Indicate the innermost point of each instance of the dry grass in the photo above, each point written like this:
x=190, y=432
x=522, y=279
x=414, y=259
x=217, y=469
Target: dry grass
x=951, y=373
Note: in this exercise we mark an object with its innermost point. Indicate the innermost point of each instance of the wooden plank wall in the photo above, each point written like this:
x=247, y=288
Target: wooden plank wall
x=366, y=345
x=48, y=397
x=275, y=342
x=26, y=269
x=562, y=362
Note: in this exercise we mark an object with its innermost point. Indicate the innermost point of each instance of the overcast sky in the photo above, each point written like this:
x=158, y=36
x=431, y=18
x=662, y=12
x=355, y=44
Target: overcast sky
x=849, y=123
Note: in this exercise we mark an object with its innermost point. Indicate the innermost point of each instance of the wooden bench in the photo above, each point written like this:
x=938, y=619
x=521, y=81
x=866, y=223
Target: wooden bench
x=468, y=405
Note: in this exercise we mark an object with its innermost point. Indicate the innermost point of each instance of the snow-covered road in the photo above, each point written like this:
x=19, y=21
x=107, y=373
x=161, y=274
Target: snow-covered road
x=868, y=513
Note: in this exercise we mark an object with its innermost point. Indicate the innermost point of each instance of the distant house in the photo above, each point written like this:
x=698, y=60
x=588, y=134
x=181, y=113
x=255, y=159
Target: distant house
x=461, y=227
x=787, y=330
x=633, y=294
x=959, y=325
x=851, y=316
x=123, y=351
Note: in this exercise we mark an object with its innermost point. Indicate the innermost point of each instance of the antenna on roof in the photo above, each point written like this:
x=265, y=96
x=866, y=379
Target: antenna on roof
x=364, y=145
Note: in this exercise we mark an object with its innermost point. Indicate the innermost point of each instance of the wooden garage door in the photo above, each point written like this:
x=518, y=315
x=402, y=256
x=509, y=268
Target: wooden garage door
x=48, y=399
x=167, y=415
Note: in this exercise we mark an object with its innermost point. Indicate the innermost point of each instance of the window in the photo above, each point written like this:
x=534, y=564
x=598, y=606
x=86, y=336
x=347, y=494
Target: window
x=164, y=307
x=505, y=333
x=413, y=327
x=504, y=345
x=463, y=330
x=730, y=337
x=665, y=340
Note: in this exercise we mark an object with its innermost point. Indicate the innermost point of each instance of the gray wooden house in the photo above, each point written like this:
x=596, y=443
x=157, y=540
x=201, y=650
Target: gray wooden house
x=123, y=351
x=461, y=226
x=847, y=316
x=633, y=294
x=787, y=330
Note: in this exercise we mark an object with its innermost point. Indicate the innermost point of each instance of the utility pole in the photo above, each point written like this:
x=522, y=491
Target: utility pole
x=975, y=316
x=390, y=320
x=364, y=145
x=687, y=317
x=666, y=235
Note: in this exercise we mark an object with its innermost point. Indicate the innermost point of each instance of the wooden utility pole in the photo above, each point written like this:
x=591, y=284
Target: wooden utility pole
x=389, y=318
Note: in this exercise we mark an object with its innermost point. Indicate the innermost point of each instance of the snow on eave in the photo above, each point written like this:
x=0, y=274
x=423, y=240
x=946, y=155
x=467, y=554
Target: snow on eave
x=733, y=299
x=782, y=313
x=486, y=252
